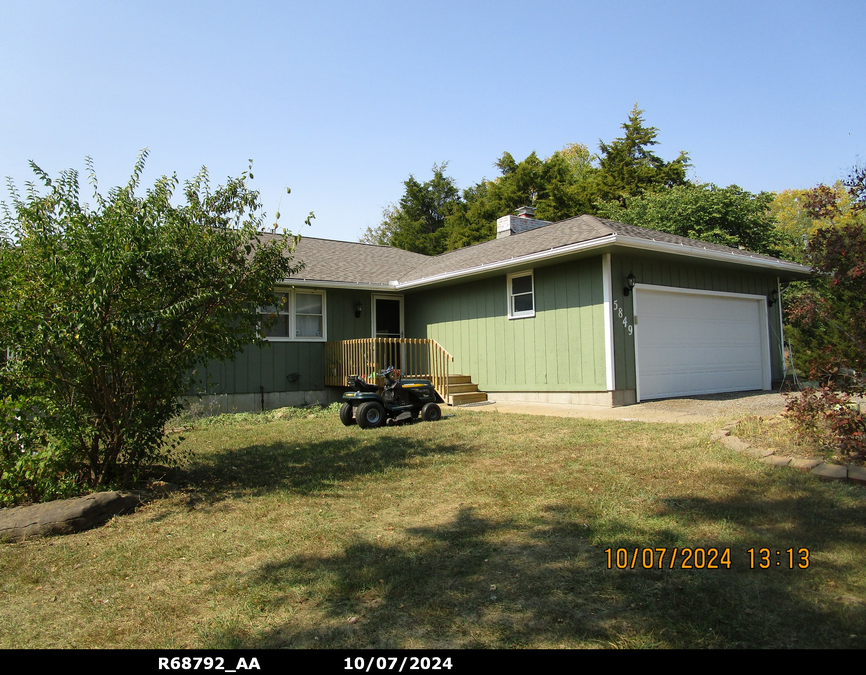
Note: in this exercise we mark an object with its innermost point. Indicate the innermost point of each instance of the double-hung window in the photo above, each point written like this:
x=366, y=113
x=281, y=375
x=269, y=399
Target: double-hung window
x=521, y=295
x=298, y=315
x=309, y=316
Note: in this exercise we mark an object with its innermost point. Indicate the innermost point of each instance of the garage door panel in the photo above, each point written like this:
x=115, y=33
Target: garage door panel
x=698, y=344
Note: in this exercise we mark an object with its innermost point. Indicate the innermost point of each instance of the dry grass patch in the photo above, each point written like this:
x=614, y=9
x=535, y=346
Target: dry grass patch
x=482, y=530
x=779, y=434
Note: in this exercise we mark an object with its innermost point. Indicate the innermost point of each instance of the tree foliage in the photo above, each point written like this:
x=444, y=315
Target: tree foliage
x=433, y=217
x=629, y=168
x=729, y=216
x=799, y=214
x=417, y=222
x=108, y=309
x=828, y=318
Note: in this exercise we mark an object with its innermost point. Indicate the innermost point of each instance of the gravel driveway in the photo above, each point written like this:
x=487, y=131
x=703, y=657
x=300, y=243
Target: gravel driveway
x=706, y=408
x=737, y=404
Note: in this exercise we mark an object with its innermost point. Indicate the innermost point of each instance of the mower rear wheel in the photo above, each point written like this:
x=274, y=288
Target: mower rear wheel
x=431, y=413
x=347, y=415
x=371, y=415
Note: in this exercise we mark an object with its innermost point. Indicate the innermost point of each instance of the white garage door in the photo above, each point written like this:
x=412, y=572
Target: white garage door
x=699, y=342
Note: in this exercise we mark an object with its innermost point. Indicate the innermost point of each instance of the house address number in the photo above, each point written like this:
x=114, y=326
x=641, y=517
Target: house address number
x=622, y=316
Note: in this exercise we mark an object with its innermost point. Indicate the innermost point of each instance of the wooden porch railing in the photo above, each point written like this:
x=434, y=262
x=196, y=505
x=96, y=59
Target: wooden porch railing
x=415, y=357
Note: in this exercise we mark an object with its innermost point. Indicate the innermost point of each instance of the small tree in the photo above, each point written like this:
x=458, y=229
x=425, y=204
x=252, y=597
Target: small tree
x=828, y=319
x=108, y=309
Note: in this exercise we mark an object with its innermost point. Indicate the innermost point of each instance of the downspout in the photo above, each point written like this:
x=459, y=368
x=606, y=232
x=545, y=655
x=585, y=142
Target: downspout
x=610, y=375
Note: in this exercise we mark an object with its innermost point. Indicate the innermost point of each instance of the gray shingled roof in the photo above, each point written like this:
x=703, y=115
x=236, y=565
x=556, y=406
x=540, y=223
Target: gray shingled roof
x=547, y=238
x=551, y=237
x=349, y=262
x=352, y=262
x=656, y=235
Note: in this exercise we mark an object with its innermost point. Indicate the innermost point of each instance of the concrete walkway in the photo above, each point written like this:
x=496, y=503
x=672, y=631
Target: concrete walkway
x=695, y=409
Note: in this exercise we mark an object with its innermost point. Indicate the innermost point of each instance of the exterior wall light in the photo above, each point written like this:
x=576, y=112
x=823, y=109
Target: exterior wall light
x=773, y=298
x=630, y=280
x=358, y=309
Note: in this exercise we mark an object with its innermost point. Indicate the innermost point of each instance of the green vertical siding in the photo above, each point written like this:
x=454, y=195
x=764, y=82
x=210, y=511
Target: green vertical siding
x=561, y=348
x=270, y=366
x=682, y=275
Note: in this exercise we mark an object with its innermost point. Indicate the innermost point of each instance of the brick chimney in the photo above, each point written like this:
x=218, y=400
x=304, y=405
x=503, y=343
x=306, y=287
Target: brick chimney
x=522, y=222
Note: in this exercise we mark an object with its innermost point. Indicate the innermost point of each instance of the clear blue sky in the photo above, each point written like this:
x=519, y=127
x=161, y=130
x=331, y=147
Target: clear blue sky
x=341, y=101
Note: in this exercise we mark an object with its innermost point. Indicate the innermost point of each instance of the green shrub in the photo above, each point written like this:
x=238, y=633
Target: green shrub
x=33, y=466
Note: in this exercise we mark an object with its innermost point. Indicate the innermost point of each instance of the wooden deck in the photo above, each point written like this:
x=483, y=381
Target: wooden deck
x=414, y=357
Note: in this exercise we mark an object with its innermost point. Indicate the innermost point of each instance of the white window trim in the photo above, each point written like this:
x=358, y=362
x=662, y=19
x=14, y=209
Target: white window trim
x=526, y=314
x=292, y=312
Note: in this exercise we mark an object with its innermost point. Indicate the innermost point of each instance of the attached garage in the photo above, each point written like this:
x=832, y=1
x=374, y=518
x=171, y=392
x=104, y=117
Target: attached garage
x=690, y=342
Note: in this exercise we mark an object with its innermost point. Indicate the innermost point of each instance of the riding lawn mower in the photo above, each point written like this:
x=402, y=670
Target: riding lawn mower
x=401, y=401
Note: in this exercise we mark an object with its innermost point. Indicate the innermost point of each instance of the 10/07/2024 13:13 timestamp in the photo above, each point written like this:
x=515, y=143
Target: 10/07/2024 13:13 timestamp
x=676, y=558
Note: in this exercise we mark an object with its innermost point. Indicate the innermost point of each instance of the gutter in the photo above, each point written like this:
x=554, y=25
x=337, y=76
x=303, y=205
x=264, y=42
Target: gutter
x=739, y=258
x=313, y=283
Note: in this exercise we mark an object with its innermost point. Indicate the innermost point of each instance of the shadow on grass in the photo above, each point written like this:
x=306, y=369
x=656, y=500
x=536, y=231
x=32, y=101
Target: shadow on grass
x=477, y=582
x=308, y=467
x=538, y=577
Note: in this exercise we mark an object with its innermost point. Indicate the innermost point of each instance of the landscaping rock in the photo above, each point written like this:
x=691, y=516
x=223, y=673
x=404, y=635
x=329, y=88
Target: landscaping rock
x=719, y=434
x=775, y=460
x=735, y=443
x=857, y=474
x=758, y=453
x=804, y=465
x=65, y=516
x=831, y=472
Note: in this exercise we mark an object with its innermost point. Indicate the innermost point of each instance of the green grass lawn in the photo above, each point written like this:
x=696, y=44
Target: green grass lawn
x=481, y=530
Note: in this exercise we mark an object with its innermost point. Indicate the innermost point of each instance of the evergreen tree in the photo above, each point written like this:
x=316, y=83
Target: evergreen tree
x=416, y=223
x=628, y=167
x=433, y=217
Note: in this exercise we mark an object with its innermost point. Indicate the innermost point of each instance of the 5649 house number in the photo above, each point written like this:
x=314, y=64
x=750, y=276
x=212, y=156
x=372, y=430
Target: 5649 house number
x=622, y=316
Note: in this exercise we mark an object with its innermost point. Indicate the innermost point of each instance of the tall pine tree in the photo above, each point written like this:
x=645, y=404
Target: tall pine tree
x=628, y=167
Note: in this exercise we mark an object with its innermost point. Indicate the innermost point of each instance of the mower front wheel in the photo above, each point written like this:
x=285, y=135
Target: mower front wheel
x=431, y=413
x=371, y=415
x=347, y=416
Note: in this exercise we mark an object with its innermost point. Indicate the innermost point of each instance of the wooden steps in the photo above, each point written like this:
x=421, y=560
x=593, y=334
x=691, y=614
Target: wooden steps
x=461, y=391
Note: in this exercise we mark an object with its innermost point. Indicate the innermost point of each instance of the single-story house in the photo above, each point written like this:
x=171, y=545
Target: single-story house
x=585, y=310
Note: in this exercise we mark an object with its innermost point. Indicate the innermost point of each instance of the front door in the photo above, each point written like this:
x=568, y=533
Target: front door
x=388, y=323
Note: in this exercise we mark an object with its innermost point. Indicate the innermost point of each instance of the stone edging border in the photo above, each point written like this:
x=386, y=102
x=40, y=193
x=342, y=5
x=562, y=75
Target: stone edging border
x=830, y=472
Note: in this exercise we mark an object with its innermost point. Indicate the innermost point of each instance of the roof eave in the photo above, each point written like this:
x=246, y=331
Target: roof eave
x=358, y=286
x=720, y=256
x=511, y=262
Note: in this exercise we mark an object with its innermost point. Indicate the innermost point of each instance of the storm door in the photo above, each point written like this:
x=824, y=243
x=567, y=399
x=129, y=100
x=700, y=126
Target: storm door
x=388, y=323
